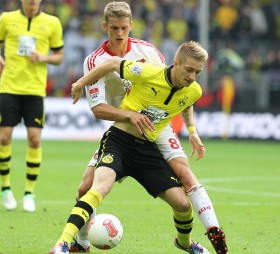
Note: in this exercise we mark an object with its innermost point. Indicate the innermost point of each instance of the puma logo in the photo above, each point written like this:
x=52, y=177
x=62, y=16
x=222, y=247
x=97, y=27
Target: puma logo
x=154, y=90
x=38, y=121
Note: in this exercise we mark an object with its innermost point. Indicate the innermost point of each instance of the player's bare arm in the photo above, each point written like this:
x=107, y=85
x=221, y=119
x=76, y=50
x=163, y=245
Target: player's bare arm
x=95, y=74
x=2, y=61
x=195, y=141
x=108, y=112
x=55, y=58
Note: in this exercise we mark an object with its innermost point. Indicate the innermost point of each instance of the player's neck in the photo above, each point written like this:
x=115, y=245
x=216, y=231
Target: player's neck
x=30, y=12
x=118, y=50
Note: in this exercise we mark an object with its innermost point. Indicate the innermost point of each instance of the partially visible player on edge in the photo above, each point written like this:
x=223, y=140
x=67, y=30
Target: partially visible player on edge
x=109, y=90
x=28, y=35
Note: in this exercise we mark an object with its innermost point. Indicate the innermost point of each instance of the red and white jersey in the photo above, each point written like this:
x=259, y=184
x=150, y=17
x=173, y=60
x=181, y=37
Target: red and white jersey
x=111, y=88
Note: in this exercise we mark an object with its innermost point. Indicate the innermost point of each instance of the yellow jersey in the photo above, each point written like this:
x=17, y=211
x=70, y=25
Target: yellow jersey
x=152, y=94
x=21, y=36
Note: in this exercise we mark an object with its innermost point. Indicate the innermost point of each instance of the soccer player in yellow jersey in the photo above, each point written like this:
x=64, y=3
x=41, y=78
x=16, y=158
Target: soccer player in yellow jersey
x=28, y=35
x=128, y=147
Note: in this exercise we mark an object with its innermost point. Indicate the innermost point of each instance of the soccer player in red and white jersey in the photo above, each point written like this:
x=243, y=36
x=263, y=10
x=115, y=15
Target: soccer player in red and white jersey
x=104, y=98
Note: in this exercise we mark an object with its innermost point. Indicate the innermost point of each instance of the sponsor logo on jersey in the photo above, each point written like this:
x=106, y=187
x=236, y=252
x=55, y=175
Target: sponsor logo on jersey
x=94, y=92
x=154, y=90
x=108, y=159
x=155, y=114
x=136, y=69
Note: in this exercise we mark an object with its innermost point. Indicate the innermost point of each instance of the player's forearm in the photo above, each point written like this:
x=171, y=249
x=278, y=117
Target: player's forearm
x=100, y=71
x=56, y=58
x=107, y=112
x=188, y=117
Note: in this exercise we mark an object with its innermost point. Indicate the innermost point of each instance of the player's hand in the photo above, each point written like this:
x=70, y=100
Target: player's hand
x=37, y=57
x=76, y=92
x=2, y=63
x=197, y=146
x=141, y=122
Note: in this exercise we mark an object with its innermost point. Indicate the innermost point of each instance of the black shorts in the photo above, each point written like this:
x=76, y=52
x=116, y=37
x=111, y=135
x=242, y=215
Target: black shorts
x=140, y=159
x=14, y=108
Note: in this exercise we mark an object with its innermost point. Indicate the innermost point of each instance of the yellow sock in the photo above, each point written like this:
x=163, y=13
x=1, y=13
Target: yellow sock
x=33, y=162
x=79, y=215
x=183, y=223
x=5, y=163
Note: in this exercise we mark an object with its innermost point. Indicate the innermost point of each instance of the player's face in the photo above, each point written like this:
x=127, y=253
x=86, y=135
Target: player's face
x=187, y=72
x=31, y=4
x=118, y=30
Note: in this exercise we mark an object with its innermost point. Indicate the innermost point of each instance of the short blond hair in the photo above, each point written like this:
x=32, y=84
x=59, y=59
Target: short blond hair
x=117, y=9
x=191, y=49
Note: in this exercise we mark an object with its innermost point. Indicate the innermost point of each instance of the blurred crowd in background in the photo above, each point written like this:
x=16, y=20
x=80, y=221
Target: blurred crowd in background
x=243, y=43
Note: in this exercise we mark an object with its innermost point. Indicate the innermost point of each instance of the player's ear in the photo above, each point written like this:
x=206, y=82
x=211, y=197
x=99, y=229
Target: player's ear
x=105, y=26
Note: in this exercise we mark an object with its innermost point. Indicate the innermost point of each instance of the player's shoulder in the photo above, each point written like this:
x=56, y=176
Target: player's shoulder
x=9, y=14
x=146, y=48
x=51, y=19
x=96, y=57
x=141, y=44
x=197, y=87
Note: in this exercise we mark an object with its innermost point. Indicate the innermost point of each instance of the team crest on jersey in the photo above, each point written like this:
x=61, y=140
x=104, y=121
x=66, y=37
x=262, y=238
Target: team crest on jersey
x=108, y=159
x=94, y=92
x=182, y=102
x=137, y=69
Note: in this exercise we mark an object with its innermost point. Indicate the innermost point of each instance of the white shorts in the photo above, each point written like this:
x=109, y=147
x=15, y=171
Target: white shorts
x=167, y=142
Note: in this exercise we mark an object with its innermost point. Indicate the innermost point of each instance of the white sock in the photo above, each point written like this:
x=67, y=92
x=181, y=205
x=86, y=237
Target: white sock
x=82, y=237
x=203, y=206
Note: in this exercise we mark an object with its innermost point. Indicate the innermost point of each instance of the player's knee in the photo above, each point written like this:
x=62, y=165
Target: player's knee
x=182, y=205
x=5, y=140
x=34, y=141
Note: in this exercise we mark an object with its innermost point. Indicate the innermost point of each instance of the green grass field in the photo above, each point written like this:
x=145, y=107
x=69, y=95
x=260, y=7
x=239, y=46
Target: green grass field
x=242, y=179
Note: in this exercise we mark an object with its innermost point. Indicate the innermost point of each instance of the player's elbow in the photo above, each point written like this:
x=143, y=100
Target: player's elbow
x=98, y=112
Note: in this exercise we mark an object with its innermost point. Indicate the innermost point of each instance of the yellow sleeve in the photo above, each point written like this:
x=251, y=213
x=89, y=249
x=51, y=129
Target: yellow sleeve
x=56, y=40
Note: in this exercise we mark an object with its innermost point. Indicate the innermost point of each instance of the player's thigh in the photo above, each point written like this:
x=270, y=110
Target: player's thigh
x=104, y=179
x=169, y=144
x=10, y=110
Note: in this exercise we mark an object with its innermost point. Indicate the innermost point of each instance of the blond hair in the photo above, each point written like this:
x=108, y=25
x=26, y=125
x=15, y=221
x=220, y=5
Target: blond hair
x=191, y=49
x=118, y=10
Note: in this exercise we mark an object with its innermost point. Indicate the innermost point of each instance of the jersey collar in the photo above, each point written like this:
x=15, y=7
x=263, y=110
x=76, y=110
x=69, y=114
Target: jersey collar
x=111, y=53
x=21, y=10
x=167, y=74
